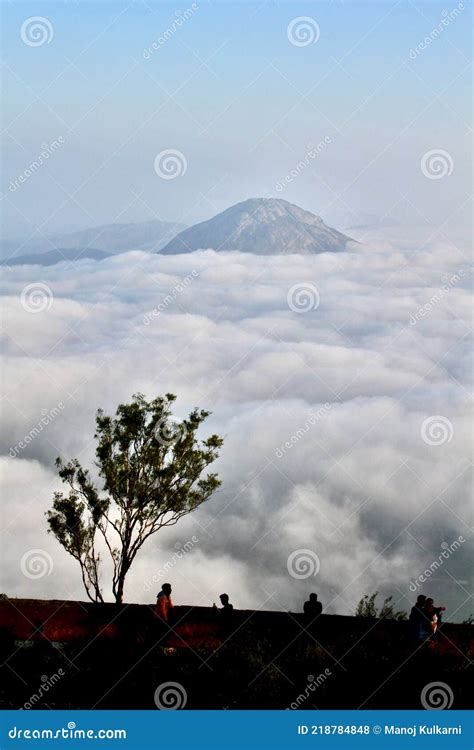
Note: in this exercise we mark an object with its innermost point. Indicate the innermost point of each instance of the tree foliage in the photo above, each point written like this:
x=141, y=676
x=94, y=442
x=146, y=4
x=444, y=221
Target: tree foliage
x=367, y=608
x=152, y=468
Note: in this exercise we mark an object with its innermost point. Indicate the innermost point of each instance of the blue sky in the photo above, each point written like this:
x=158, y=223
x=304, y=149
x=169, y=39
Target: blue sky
x=241, y=103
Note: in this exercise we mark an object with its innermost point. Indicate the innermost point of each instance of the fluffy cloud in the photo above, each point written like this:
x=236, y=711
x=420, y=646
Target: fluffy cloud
x=326, y=414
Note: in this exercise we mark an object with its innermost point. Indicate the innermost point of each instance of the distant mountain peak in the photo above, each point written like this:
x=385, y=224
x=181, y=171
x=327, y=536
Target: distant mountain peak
x=263, y=226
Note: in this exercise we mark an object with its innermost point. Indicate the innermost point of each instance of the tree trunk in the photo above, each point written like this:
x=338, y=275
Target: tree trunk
x=121, y=581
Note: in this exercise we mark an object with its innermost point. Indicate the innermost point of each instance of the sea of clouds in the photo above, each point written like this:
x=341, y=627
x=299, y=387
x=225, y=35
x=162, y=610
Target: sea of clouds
x=340, y=383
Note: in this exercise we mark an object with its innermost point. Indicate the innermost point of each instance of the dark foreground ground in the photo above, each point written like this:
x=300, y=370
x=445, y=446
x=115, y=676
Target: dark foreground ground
x=74, y=655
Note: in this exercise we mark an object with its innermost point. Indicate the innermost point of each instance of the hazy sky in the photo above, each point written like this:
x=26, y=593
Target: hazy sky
x=241, y=102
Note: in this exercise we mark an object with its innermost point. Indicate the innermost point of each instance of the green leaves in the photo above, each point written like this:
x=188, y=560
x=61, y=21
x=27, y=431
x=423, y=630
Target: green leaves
x=367, y=608
x=66, y=523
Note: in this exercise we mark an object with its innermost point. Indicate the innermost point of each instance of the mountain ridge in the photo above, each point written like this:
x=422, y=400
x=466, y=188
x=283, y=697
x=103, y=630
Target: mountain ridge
x=113, y=239
x=262, y=226
x=52, y=257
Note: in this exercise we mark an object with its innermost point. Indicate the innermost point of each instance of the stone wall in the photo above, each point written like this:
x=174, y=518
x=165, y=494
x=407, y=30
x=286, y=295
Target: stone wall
x=69, y=621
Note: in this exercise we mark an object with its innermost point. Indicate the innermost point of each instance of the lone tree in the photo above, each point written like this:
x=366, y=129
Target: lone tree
x=152, y=469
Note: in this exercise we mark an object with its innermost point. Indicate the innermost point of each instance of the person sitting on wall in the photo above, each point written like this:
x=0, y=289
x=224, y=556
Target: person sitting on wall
x=227, y=607
x=164, y=603
x=312, y=608
x=225, y=614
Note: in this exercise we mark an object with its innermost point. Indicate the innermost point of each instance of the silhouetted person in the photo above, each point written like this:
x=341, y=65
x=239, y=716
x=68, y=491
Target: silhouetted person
x=225, y=613
x=430, y=610
x=418, y=619
x=312, y=608
x=227, y=607
x=164, y=604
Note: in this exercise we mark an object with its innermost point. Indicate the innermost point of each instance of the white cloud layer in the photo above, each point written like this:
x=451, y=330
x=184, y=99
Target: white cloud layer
x=322, y=413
